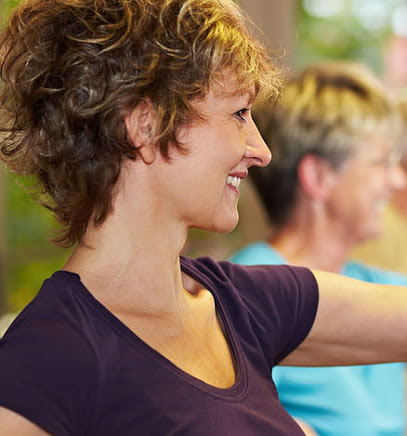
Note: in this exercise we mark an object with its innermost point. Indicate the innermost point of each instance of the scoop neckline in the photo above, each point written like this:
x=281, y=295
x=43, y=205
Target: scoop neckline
x=232, y=393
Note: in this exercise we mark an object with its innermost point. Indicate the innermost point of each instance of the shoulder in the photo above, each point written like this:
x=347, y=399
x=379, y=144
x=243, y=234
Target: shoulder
x=373, y=274
x=61, y=314
x=49, y=360
x=52, y=335
x=276, y=301
x=251, y=279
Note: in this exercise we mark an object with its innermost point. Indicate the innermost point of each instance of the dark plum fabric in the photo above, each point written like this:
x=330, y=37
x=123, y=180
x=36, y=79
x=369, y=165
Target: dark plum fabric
x=73, y=368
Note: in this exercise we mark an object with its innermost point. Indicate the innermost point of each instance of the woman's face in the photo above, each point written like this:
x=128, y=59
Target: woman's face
x=362, y=186
x=202, y=186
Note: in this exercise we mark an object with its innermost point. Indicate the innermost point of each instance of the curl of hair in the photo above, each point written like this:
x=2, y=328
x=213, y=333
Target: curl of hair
x=71, y=69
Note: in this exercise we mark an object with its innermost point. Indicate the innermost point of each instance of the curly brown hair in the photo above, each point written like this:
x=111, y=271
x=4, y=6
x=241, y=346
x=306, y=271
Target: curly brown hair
x=72, y=68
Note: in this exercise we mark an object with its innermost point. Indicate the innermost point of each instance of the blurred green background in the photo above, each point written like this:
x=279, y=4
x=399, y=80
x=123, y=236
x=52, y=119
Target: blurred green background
x=324, y=29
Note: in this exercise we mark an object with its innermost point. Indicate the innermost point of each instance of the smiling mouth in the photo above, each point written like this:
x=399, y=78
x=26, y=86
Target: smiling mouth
x=234, y=181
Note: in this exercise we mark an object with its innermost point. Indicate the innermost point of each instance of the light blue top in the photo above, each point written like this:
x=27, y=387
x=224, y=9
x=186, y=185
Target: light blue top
x=340, y=401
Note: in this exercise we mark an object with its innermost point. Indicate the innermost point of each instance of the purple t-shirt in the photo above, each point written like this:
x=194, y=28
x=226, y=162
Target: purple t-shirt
x=70, y=366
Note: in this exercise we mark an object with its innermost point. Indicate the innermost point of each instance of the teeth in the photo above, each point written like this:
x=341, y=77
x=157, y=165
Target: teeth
x=234, y=181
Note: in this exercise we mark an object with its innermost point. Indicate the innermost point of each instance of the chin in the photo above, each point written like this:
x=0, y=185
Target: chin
x=374, y=233
x=229, y=225
x=225, y=226
x=222, y=229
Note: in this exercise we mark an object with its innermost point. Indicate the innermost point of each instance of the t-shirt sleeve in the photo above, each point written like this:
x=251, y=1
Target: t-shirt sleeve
x=281, y=303
x=46, y=375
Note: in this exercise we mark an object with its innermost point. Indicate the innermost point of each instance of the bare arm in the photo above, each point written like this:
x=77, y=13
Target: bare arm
x=356, y=323
x=307, y=429
x=13, y=424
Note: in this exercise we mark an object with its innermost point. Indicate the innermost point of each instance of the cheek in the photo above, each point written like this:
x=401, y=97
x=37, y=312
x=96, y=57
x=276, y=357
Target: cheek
x=377, y=181
x=368, y=180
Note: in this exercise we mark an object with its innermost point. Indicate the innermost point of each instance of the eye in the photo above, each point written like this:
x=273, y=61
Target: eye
x=242, y=114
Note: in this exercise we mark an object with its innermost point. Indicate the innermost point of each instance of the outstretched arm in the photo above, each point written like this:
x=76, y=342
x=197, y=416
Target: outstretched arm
x=307, y=429
x=356, y=323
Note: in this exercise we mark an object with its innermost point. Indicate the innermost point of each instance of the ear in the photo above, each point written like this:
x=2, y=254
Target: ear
x=141, y=123
x=316, y=176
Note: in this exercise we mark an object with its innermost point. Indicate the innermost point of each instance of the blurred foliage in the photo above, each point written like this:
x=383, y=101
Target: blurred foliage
x=6, y=6
x=340, y=36
x=30, y=257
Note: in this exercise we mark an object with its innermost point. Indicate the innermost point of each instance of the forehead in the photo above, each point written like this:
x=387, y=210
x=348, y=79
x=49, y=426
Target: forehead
x=226, y=84
x=374, y=145
x=225, y=92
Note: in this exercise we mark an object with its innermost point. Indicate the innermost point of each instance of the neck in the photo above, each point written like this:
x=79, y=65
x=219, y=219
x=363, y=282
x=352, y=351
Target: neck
x=132, y=259
x=129, y=273
x=310, y=239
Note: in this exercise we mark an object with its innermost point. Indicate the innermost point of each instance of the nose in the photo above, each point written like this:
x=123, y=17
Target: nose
x=397, y=177
x=257, y=151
